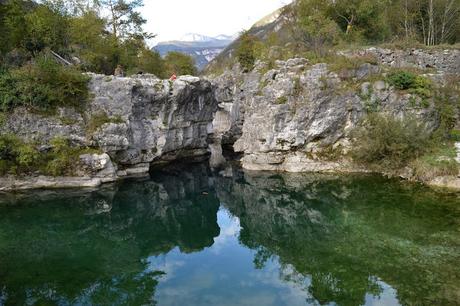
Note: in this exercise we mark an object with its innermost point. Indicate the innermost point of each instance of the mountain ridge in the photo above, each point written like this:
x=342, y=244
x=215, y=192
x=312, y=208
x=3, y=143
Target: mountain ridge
x=201, y=48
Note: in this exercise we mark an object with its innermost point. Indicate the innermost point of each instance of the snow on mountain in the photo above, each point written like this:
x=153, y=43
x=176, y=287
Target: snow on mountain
x=194, y=37
x=201, y=47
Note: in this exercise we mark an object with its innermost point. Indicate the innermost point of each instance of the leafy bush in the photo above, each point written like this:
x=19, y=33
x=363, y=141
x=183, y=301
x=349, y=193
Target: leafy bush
x=61, y=157
x=416, y=84
x=447, y=104
x=422, y=87
x=16, y=156
x=245, y=52
x=9, y=95
x=44, y=85
x=402, y=80
x=387, y=142
x=180, y=64
x=282, y=100
x=20, y=157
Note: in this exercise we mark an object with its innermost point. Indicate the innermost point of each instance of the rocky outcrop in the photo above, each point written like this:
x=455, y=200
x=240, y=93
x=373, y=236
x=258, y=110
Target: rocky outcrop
x=298, y=117
x=133, y=123
x=296, y=113
x=291, y=115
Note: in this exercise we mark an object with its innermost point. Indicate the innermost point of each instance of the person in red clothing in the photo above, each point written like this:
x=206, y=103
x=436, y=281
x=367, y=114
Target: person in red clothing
x=173, y=77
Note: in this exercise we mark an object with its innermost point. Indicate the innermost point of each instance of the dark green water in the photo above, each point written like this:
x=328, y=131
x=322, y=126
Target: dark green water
x=192, y=238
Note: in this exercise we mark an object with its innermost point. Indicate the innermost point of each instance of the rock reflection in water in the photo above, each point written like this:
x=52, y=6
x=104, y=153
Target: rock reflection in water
x=193, y=237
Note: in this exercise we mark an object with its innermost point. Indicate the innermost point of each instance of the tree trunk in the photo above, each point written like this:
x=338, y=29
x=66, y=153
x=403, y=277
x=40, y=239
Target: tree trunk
x=431, y=25
x=114, y=19
x=406, y=19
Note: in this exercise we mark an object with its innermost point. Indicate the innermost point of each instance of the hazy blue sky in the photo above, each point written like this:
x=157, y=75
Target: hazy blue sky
x=171, y=19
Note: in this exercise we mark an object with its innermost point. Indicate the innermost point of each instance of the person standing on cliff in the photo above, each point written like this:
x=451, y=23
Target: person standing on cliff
x=119, y=71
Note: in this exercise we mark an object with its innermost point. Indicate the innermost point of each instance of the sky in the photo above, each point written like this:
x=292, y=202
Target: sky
x=172, y=19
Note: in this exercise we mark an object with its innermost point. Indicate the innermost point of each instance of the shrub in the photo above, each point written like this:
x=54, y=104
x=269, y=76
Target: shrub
x=402, y=80
x=9, y=95
x=20, y=157
x=383, y=141
x=245, y=51
x=44, y=85
x=63, y=158
x=422, y=87
x=8, y=143
x=416, y=84
x=282, y=100
x=16, y=155
x=447, y=104
x=440, y=162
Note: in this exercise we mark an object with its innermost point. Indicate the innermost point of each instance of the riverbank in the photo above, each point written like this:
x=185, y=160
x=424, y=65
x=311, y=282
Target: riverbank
x=14, y=183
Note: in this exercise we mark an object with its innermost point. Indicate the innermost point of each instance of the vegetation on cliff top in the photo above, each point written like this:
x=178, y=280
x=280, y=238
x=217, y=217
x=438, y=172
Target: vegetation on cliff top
x=311, y=28
x=43, y=85
x=37, y=37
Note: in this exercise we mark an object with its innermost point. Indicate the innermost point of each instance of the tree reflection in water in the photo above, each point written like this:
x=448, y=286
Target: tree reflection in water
x=340, y=239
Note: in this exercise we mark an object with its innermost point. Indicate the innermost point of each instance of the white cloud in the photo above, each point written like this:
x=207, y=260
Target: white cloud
x=172, y=19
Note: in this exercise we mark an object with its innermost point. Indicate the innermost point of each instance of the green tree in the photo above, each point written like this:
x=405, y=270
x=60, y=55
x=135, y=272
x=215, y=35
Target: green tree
x=246, y=51
x=180, y=64
x=430, y=22
x=151, y=62
x=124, y=20
x=46, y=28
x=13, y=25
x=313, y=28
x=364, y=18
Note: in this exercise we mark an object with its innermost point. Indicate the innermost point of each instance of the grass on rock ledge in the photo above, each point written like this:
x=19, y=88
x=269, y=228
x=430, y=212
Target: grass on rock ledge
x=18, y=157
x=98, y=120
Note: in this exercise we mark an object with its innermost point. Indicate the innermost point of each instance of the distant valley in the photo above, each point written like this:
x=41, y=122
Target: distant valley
x=202, y=48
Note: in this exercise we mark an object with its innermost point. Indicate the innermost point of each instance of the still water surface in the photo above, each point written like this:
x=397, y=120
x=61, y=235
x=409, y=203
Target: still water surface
x=191, y=237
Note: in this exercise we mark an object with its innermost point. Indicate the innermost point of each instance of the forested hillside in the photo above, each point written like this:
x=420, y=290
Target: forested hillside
x=316, y=28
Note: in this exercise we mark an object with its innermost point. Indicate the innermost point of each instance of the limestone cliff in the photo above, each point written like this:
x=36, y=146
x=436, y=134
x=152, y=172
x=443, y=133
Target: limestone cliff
x=292, y=115
x=133, y=122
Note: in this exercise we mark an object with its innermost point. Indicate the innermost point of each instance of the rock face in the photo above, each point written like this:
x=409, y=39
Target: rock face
x=295, y=115
x=156, y=119
x=288, y=116
x=133, y=122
